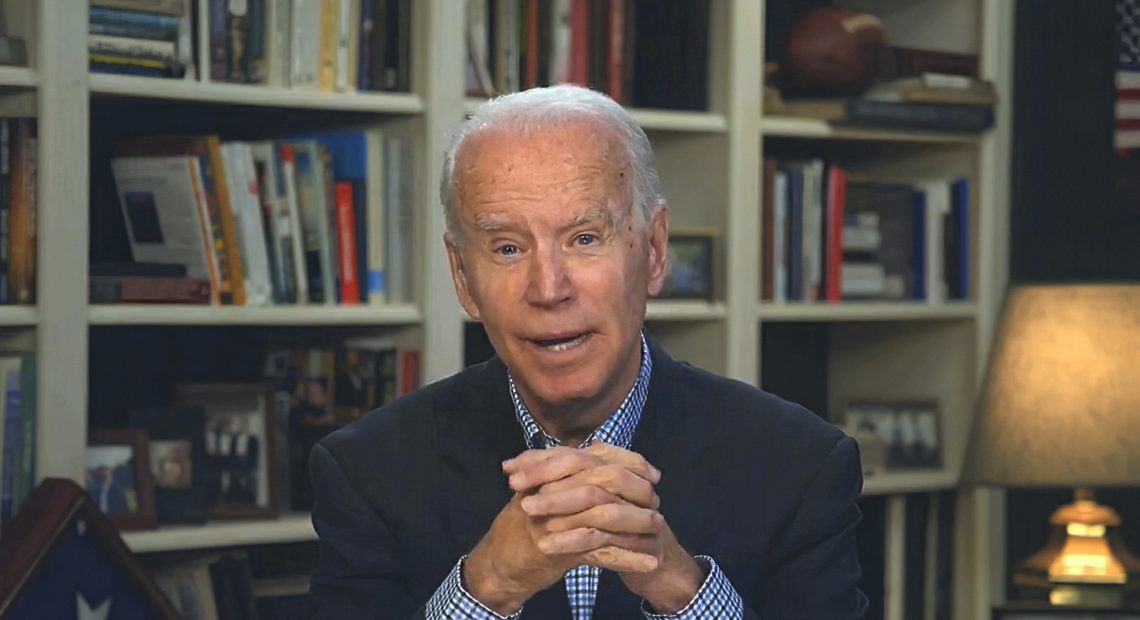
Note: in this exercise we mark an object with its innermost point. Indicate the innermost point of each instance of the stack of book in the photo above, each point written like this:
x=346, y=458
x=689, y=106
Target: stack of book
x=324, y=218
x=918, y=89
x=832, y=237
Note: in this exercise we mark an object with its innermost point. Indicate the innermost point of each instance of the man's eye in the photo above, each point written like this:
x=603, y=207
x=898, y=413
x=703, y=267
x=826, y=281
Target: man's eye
x=586, y=239
x=507, y=250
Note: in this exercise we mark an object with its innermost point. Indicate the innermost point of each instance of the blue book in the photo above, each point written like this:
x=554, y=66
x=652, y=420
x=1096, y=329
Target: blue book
x=13, y=426
x=132, y=24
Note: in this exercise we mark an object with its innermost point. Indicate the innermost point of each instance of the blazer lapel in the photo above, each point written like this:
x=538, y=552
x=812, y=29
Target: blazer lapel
x=474, y=440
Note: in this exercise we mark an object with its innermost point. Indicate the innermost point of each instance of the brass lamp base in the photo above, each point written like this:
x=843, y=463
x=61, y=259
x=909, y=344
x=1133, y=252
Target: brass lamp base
x=1084, y=562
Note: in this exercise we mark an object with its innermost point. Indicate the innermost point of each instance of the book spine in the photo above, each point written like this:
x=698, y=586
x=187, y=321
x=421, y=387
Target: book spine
x=216, y=234
x=5, y=205
x=225, y=222
x=143, y=289
x=169, y=7
x=12, y=428
x=219, y=41
x=133, y=24
x=26, y=472
x=920, y=115
x=132, y=48
x=346, y=248
x=833, y=256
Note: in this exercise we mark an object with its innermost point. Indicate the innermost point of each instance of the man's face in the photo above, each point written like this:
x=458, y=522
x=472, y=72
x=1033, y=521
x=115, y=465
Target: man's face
x=551, y=258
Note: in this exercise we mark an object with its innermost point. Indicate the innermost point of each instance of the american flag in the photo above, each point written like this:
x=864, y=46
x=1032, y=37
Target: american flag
x=1127, y=136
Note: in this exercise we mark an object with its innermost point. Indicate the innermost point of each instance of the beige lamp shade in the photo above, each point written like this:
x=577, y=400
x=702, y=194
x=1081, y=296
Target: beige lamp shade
x=1061, y=402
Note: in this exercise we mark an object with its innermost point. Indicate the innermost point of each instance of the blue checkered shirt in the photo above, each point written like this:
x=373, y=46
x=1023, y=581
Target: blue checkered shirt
x=716, y=599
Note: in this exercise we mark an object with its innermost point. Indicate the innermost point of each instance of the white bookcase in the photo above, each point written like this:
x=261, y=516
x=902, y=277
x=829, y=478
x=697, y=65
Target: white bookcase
x=710, y=165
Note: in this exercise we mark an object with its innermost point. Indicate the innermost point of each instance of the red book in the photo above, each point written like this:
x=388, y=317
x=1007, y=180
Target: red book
x=833, y=255
x=580, y=42
x=346, y=244
x=616, y=49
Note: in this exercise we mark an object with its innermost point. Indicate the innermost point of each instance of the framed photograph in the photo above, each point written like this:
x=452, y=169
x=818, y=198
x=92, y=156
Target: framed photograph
x=240, y=446
x=690, y=274
x=189, y=589
x=118, y=477
x=176, y=457
x=895, y=435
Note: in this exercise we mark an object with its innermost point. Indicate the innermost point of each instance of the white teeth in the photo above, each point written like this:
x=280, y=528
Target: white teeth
x=566, y=346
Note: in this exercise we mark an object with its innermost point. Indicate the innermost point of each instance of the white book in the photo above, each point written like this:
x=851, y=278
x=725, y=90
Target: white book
x=246, y=211
x=376, y=280
x=289, y=174
x=305, y=44
x=346, y=45
x=560, y=41
x=278, y=37
x=780, y=236
x=161, y=209
x=937, y=209
x=400, y=221
x=276, y=211
x=507, y=45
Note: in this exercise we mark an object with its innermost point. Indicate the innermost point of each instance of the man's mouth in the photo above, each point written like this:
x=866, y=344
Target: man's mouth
x=561, y=343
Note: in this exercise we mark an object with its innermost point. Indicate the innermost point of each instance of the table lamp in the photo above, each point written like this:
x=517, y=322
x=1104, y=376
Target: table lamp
x=1061, y=408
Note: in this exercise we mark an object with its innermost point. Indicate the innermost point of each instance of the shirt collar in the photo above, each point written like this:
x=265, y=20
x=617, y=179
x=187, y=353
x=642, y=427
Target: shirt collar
x=616, y=430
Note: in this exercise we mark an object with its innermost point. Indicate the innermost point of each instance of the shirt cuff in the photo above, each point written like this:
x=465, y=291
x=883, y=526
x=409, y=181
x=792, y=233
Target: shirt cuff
x=715, y=600
x=452, y=601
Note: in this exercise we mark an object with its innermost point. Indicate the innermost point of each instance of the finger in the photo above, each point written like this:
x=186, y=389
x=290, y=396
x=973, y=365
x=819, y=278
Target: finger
x=530, y=457
x=586, y=539
x=615, y=480
x=566, y=500
x=531, y=472
x=612, y=518
x=621, y=560
x=628, y=459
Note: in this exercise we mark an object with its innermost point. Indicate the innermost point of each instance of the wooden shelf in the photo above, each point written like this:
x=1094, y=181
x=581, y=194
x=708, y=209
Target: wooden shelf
x=18, y=316
x=810, y=128
x=141, y=314
x=909, y=482
x=684, y=310
x=867, y=311
x=671, y=120
x=18, y=77
x=290, y=528
x=252, y=95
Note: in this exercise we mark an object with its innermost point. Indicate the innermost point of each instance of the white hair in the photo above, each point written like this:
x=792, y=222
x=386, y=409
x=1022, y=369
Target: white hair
x=541, y=108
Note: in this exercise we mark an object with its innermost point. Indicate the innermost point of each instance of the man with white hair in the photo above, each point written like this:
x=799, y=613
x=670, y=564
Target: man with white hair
x=581, y=472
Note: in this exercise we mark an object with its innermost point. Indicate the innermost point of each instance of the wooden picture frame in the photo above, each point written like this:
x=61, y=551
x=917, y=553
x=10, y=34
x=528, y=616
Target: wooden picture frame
x=47, y=554
x=117, y=464
x=240, y=433
x=895, y=434
x=177, y=461
x=690, y=268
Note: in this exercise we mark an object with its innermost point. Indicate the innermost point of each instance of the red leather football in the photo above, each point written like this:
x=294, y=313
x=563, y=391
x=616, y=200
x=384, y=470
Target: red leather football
x=832, y=51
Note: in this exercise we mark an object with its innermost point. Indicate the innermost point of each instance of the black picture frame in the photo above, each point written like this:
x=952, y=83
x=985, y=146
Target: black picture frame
x=895, y=434
x=690, y=268
x=177, y=456
x=239, y=431
x=118, y=477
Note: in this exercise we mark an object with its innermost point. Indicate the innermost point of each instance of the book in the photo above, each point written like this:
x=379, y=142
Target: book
x=902, y=114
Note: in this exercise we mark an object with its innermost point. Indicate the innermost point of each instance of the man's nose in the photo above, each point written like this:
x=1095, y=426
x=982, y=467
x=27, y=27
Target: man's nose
x=549, y=279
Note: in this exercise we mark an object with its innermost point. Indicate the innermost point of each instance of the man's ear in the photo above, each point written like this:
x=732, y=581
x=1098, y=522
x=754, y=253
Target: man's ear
x=459, y=276
x=658, y=232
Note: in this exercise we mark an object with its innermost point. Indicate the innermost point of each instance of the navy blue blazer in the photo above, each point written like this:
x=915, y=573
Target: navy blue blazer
x=763, y=486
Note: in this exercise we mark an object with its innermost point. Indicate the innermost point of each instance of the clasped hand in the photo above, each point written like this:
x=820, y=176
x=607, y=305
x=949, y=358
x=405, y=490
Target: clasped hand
x=595, y=506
